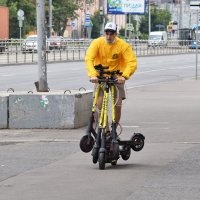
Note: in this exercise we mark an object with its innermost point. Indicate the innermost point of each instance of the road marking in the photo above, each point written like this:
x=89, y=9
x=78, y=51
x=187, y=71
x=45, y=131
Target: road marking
x=154, y=122
x=153, y=84
x=187, y=142
x=75, y=69
x=143, y=85
x=164, y=69
x=130, y=126
x=7, y=75
x=35, y=140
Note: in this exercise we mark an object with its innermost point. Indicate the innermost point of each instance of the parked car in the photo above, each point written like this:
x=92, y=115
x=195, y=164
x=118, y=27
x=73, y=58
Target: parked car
x=56, y=42
x=30, y=44
x=157, y=38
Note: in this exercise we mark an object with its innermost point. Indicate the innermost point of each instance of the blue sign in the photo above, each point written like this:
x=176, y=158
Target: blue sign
x=73, y=23
x=88, y=22
x=126, y=7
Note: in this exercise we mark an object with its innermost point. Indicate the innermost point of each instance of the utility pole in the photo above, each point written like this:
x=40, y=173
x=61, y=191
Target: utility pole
x=50, y=18
x=149, y=12
x=181, y=15
x=85, y=12
x=41, y=41
x=101, y=8
x=126, y=26
x=129, y=21
x=196, y=32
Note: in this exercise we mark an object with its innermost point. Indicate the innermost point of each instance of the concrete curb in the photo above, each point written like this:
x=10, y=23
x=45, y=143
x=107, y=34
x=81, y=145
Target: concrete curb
x=52, y=110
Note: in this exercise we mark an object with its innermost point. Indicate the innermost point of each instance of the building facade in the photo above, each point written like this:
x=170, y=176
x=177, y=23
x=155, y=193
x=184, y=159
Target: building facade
x=4, y=22
x=76, y=28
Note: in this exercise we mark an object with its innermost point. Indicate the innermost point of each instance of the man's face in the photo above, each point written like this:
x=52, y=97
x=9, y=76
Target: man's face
x=110, y=36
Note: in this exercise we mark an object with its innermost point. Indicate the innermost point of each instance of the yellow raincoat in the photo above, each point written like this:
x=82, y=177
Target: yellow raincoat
x=117, y=56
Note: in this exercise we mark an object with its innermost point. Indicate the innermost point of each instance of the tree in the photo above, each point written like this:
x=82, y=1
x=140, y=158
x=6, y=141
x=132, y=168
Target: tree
x=28, y=6
x=3, y=2
x=132, y=21
x=63, y=9
x=96, y=24
x=158, y=16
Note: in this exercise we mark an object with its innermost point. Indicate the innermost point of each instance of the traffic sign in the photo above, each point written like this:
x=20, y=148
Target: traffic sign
x=87, y=18
x=73, y=23
x=129, y=27
x=195, y=5
x=20, y=13
x=88, y=22
x=20, y=18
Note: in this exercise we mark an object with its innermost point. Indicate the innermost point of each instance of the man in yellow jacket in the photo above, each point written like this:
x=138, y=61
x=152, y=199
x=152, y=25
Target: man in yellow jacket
x=111, y=51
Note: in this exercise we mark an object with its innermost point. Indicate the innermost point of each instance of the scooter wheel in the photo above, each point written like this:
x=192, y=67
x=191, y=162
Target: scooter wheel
x=86, y=143
x=95, y=155
x=102, y=162
x=115, y=148
x=137, y=142
x=126, y=153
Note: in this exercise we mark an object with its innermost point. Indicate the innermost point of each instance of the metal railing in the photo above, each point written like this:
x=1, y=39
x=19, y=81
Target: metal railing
x=20, y=51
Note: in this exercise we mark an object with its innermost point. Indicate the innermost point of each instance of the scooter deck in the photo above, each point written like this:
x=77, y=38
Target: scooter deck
x=125, y=142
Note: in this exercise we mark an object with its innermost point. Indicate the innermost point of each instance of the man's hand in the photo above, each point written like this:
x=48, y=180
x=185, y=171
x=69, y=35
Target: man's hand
x=121, y=80
x=94, y=79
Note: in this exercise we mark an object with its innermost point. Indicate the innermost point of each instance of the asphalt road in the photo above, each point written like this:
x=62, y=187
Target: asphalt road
x=72, y=75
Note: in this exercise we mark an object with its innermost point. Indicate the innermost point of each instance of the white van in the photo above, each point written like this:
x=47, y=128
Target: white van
x=157, y=38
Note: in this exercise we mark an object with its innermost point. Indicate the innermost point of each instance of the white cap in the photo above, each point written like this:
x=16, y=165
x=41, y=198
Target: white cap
x=110, y=26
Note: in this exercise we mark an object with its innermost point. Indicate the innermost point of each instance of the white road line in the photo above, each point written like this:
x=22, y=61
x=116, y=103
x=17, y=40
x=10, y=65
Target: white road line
x=143, y=85
x=154, y=122
x=7, y=75
x=130, y=126
x=75, y=69
x=187, y=142
x=164, y=69
x=36, y=140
